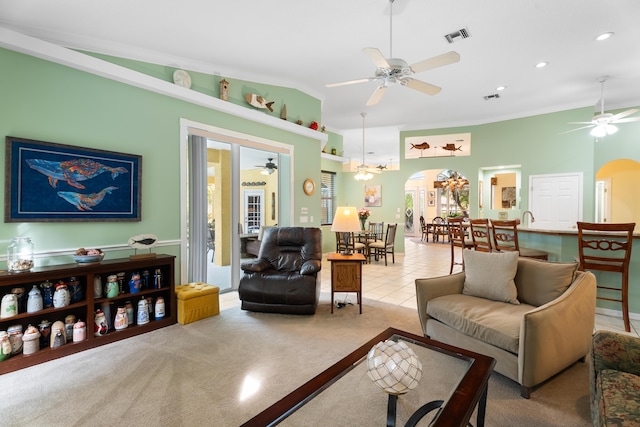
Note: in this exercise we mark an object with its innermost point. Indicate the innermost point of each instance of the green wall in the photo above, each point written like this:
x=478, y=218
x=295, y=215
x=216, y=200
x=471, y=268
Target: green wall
x=537, y=143
x=51, y=102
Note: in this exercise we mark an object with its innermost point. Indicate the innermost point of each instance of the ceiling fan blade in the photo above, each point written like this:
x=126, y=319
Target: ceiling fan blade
x=617, y=117
x=377, y=57
x=350, y=82
x=435, y=62
x=580, y=128
x=376, y=96
x=421, y=86
x=581, y=123
x=627, y=120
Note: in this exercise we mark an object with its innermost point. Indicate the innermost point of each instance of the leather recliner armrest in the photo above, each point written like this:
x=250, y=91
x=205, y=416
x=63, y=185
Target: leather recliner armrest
x=310, y=267
x=255, y=266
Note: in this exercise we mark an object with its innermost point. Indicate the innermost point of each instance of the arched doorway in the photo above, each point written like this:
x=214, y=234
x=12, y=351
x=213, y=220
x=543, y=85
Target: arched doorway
x=434, y=192
x=617, y=197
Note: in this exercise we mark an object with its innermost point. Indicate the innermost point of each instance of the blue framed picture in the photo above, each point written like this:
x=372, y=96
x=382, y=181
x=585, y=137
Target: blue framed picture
x=46, y=182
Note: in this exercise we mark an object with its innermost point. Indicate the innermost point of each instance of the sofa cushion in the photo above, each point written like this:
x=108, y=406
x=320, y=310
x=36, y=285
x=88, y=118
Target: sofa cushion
x=491, y=275
x=494, y=322
x=539, y=282
x=618, y=398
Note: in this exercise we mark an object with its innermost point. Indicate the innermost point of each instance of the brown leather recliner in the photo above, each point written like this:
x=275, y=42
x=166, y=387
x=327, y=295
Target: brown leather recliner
x=284, y=278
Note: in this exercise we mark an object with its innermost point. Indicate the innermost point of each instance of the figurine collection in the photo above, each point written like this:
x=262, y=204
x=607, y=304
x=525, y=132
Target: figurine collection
x=70, y=329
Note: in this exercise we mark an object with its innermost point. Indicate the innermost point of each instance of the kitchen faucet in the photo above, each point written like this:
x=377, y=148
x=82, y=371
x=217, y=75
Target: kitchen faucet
x=530, y=213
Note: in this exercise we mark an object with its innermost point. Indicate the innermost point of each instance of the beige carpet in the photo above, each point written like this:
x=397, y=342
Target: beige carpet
x=195, y=374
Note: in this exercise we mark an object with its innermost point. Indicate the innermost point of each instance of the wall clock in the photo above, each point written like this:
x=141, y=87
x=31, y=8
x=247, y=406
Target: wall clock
x=309, y=187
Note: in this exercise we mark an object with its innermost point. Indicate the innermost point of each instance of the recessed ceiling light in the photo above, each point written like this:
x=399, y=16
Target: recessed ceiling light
x=542, y=64
x=501, y=88
x=604, y=36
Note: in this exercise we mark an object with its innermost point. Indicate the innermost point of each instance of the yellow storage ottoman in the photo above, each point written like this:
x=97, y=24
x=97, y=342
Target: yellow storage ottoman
x=197, y=301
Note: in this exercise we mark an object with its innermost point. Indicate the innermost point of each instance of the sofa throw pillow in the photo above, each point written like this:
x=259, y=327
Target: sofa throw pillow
x=539, y=282
x=491, y=275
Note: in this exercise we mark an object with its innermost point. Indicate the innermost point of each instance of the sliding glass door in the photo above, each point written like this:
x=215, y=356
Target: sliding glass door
x=240, y=187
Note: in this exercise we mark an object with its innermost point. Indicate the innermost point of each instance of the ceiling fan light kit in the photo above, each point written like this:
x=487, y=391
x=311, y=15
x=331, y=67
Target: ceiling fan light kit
x=603, y=130
x=267, y=171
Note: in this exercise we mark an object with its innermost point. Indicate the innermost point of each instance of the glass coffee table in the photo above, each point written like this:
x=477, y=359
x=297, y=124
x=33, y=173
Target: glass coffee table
x=453, y=383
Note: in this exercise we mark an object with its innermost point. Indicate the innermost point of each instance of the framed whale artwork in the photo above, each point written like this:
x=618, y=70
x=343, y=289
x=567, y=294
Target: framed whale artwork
x=47, y=182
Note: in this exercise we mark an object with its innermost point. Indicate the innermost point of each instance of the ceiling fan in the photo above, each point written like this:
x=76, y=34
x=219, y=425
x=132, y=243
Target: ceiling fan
x=365, y=173
x=268, y=167
x=395, y=70
x=602, y=123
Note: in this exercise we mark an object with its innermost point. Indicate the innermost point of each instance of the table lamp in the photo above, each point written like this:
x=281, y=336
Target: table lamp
x=346, y=221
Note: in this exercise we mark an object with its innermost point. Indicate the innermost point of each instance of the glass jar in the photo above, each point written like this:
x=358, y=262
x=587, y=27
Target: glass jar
x=20, y=254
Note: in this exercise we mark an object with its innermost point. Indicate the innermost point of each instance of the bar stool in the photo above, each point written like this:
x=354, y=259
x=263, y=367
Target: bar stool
x=608, y=248
x=480, y=235
x=505, y=238
x=457, y=238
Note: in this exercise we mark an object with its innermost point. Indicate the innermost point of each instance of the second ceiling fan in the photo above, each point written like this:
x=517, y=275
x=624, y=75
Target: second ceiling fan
x=395, y=70
x=602, y=124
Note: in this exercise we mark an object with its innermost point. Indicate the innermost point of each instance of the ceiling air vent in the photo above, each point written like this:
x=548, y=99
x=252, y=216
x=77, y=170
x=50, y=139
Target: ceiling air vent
x=458, y=35
x=490, y=97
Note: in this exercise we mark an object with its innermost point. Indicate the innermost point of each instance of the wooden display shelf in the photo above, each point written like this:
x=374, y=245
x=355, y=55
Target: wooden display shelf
x=85, y=309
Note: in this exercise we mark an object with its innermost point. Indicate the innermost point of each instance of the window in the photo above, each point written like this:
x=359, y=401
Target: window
x=328, y=196
x=453, y=194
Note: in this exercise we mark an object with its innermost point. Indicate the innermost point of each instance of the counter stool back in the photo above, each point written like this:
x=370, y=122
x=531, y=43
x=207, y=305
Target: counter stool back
x=607, y=247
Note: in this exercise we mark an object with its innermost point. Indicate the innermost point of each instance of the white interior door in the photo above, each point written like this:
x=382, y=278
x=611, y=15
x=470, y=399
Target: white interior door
x=556, y=200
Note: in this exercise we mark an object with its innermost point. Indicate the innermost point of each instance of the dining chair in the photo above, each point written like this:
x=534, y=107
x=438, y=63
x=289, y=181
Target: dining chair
x=458, y=238
x=607, y=247
x=352, y=245
x=480, y=234
x=380, y=248
x=424, y=228
x=439, y=228
x=376, y=232
x=505, y=238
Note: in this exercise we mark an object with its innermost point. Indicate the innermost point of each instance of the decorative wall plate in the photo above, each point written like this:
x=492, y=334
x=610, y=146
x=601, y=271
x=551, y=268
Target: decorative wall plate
x=182, y=78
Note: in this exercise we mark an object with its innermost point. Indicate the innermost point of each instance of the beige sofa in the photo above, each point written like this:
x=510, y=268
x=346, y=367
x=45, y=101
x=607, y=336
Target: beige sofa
x=543, y=324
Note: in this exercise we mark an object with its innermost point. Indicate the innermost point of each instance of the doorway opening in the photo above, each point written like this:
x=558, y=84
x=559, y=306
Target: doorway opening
x=229, y=201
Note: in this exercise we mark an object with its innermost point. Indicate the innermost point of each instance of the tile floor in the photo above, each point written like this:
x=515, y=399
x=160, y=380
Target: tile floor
x=394, y=283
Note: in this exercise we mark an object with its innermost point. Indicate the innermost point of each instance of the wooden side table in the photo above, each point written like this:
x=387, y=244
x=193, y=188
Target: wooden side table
x=346, y=275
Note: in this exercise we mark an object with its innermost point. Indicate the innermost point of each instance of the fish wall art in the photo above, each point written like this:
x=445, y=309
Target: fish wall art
x=56, y=182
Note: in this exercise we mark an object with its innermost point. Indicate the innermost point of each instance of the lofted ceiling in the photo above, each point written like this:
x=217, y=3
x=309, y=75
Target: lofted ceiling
x=306, y=45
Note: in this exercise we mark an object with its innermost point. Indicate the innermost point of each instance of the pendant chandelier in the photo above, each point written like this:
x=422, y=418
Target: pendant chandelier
x=363, y=173
x=453, y=183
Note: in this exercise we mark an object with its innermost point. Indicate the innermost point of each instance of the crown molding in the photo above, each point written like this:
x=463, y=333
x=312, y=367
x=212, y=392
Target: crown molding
x=18, y=42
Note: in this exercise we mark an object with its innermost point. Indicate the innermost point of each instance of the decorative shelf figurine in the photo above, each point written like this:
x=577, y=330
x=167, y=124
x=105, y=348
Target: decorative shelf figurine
x=224, y=90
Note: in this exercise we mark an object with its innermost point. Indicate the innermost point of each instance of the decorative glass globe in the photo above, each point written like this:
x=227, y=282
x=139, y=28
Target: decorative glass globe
x=394, y=367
